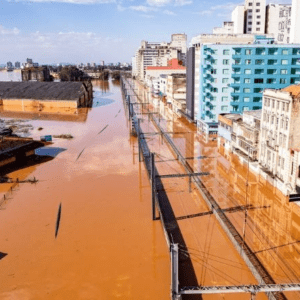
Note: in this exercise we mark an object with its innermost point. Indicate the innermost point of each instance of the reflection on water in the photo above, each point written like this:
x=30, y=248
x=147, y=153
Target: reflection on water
x=10, y=76
x=260, y=212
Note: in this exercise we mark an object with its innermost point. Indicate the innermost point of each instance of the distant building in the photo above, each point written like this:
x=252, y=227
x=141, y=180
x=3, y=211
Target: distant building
x=279, y=154
x=29, y=61
x=17, y=65
x=9, y=64
x=278, y=22
x=36, y=74
x=255, y=16
x=228, y=28
x=158, y=54
x=238, y=19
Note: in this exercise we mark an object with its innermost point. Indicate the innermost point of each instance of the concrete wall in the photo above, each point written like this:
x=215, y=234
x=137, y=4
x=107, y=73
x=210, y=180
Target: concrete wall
x=190, y=83
x=295, y=29
x=41, y=103
x=238, y=18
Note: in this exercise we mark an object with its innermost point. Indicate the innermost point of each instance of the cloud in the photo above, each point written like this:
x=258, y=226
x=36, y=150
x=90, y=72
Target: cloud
x=183, y=2
x=4, y=30
x=68, y=1
x=227, y=7
x=142, y=8
x=49, y=47
x=169, y=12
x=159, y=2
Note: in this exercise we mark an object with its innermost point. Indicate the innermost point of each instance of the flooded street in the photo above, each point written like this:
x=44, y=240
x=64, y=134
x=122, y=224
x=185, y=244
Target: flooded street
x=95, y=195
x=107, y=246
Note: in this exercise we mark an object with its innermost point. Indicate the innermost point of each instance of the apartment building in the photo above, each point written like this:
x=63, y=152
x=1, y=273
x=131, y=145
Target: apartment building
x=230, y=78
x=176, y=92
x=158, y=54
x=279, y=154
x=238, y=19
x=278, y=22
x=225, y=131
x=255, y=16
x=245, y=135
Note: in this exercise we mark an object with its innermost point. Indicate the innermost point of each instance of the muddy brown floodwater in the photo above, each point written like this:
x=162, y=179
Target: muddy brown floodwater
x=107, y=246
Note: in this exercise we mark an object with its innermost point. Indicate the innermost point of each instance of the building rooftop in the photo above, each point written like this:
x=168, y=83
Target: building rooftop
x=294, y=90
x=233, y=117
x=41, y=90
x=254, y=113
x=173, y=64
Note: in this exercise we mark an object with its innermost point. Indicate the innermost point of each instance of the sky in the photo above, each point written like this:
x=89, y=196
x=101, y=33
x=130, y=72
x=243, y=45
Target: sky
x=75, y=31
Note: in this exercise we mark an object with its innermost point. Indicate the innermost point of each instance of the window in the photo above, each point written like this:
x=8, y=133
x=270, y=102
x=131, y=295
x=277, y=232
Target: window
x=247, y=80
x=214, y=90
x=247, y=71
x=258, y=4
x=287, y=107
x=245, y=108
x=258, y=17
x=214, y=71
x=214, y=98
x=225, y=90
x=226, y=52
x=248, y=52
x=225, y=61
x=250, y=10
x=257, y=29
x=258, y=10
x=215, y=51
x=286, y=125
x=226, y=71
x=285, y=51
x=283, y=71
x=215, y=61
x=257, y=23
x=215, y=80
x=271, y=80
x=284, y=61
x=224, y=108
x=246, y=90
x=282, y=164
x=249, y=23
x=248, y=61
x=224, y=99
x=225, y=80
x=246, y=99
x=250, y=4
x=259, y=61
x=283, y=81
x=258, y=80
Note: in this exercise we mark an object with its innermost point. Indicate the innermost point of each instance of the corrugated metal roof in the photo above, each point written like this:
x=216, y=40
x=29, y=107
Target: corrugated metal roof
x=41, y=90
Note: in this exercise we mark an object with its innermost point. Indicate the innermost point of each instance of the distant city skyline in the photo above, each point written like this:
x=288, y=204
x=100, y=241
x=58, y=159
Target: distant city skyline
x=84, y=31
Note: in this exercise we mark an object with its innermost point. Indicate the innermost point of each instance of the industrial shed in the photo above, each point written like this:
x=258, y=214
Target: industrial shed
x=46, y=94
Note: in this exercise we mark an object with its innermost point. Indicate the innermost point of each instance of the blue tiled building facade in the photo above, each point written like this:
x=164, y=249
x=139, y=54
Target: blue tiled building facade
x=231, y=78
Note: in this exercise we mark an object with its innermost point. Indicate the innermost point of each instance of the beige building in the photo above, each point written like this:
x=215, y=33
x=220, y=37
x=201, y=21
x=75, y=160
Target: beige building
x=255, y=16
x=279, y=155
x=227, y=28
x=238, y=19
x=176, y=92
x=245, y=135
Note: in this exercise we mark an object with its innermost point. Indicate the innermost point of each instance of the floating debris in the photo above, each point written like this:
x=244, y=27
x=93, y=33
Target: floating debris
x=64, y=136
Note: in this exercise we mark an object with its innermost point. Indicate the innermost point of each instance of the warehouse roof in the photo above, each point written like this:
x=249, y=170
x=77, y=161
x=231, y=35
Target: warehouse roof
x=41, y=90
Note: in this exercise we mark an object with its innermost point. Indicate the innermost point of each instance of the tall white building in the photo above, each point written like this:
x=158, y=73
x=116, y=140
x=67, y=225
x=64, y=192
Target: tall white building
x=158, y=54
x=278, y=22
x=255, y=16
x=295, y=28
x=238, y=19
